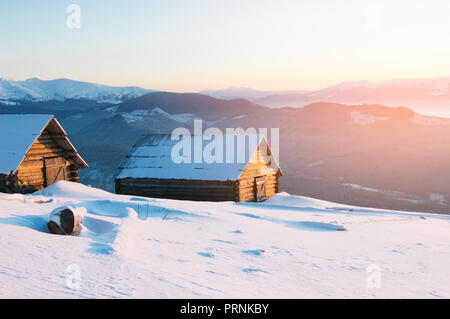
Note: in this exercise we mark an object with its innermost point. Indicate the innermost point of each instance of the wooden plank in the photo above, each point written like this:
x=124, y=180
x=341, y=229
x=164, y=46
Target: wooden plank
x=192, y=196
x=193, y=192
x=174, y=181
x=160, y=191
x=29, y=181
x=180, y=186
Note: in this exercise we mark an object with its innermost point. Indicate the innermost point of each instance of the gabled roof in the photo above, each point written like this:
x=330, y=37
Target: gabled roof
x=151, y=158
x=18, y=132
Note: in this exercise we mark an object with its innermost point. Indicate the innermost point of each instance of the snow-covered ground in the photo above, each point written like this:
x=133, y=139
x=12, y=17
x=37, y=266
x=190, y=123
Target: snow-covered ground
x=287, y=247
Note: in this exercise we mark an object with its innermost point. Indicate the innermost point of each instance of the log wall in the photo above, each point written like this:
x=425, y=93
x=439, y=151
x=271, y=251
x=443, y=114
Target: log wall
x=258, y=166
x=214, y=191
x=31, y=172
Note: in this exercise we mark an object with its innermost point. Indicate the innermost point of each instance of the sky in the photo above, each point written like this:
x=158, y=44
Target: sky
x=187, y=46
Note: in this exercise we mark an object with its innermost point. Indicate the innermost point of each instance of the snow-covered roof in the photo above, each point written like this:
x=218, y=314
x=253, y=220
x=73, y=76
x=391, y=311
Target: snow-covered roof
x=151, y=158
x=18, y=132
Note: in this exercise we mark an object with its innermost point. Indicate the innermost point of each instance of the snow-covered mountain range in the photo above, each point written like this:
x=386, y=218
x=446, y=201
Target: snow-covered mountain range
x=430, y=96
x=37, y=90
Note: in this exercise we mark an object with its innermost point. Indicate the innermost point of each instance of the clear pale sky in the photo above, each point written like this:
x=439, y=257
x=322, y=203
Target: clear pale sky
x=189, y=45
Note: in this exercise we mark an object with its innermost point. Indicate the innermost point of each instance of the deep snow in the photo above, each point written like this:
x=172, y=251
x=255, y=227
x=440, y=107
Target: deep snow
x=287, y=247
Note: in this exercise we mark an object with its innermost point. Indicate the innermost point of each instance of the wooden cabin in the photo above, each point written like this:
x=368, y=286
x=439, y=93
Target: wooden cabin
x=150, y=171
x=35, y=152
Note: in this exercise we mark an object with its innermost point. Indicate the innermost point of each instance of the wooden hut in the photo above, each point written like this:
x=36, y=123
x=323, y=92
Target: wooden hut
x=149, y=170
x=35, y=152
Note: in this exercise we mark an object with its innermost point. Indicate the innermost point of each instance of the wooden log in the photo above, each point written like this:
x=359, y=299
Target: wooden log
x=65, y=222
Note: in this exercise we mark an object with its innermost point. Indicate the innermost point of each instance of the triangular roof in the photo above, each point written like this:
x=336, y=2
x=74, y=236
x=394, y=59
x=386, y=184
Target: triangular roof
x=274, y=162
x=151, y=158
x=18, y=132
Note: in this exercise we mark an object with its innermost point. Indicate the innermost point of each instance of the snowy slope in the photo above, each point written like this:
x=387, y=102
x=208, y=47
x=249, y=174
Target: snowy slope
x=144, y=116
x=37, y=90
x=289, y=246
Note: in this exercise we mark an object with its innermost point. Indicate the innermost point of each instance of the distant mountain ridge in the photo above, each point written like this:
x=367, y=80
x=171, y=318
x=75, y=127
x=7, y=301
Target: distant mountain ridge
x=37, y=90
x=429, y=96
x=245, y=93
x=202, y=105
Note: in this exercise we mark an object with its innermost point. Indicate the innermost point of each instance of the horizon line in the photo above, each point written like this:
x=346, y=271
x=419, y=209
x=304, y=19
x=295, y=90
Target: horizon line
x=231, y=87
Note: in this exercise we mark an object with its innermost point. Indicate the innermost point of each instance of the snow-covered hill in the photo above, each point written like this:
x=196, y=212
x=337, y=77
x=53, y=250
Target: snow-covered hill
x=289, y=246
x=37, y=90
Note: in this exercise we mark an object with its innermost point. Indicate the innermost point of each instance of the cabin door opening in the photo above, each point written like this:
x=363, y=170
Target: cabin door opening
x=54, y=170
x=260, y=187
